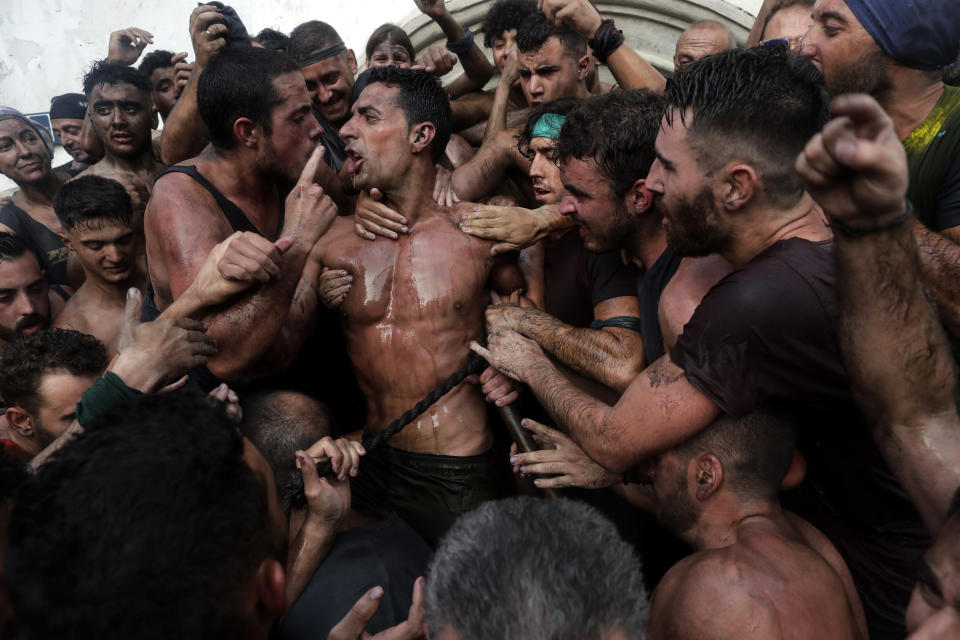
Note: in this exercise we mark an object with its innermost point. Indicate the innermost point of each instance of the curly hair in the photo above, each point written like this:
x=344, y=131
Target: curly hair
x=105, y=72
x=504, y=16
x=26, y=360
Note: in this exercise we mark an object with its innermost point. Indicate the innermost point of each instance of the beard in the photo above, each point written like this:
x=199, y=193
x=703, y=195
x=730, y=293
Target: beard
x=30, y=320
x=692, y=230
x=678, y=514
x=866, y=74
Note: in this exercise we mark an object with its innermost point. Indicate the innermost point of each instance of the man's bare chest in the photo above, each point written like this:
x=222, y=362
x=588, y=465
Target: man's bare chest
x=424, y=276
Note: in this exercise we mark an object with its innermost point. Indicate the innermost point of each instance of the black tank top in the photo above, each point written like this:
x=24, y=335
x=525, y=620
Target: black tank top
x=238, y=222
x=50, y=250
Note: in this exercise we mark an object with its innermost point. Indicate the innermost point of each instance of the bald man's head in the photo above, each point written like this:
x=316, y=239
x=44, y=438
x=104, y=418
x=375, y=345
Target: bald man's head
x=702, y=39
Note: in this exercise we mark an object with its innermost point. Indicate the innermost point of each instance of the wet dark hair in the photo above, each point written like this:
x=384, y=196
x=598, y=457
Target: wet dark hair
x=273, y=39
x=617, y=130
x=104, y=72
x=149, y=525
x=422, y=99
x=503, y=16
x=536, y=30
x=154, y=60
x=311, y=36
x=88, y=199
x=12, y=247
x=756, y=450
x=238, y=83
x=389, y=33
x=28, y=358
x=759, y=105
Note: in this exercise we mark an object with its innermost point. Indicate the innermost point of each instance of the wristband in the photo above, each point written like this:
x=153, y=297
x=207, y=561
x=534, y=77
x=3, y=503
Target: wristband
x=859, y=232
x=462, y=46
x=621, y=322
x=606, y=40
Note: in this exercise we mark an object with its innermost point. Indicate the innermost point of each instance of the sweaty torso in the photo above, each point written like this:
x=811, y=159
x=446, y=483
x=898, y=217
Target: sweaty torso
x=415, y=305
x=783, y=582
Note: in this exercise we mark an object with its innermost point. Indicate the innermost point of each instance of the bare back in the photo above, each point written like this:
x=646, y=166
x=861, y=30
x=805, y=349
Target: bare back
x=415, y=305
x=780, y=581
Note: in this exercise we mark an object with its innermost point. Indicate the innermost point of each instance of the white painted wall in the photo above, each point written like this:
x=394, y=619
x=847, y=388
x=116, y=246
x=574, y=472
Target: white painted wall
x=45, y=45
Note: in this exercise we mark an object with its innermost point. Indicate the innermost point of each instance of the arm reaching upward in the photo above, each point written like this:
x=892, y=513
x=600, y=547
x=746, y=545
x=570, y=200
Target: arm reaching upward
x=856, y=169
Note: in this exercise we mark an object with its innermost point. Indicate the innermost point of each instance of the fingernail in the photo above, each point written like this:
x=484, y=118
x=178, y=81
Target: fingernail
x=525, y=422
x=513, y=459
x=376, y=593
x=353, y=472
x=405, y=230
x=132, y=293
x=536, y=483
x=393, y=235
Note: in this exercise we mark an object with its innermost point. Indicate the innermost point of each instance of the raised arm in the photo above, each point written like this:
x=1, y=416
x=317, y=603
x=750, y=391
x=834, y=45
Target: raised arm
x=658, y=410
x=895, y=349
x=627, y=66
x=183, y=129
x=480, y=176
x=476, y=68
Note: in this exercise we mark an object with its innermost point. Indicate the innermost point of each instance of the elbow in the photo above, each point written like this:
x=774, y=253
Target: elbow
x=631, y=366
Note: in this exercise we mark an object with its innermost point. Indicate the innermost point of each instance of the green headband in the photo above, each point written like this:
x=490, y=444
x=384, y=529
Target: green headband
x=548, y=126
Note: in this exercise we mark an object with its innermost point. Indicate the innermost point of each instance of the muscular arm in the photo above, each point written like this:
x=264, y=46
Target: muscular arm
x=940, y=271
x=258, y=328
x=479, y=177
x=183, y=129
x=476, y=68
x=612, y=356
x=658, y=410
x=907, y=390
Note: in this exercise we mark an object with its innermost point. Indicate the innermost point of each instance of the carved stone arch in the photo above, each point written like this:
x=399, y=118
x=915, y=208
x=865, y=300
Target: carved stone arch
x=650, y=26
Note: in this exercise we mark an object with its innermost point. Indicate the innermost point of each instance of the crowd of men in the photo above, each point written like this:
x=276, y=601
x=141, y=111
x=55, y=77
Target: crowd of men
x=519, y=354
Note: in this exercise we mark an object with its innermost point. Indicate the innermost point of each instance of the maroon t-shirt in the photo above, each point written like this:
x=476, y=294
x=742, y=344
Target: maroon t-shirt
x=769, y=331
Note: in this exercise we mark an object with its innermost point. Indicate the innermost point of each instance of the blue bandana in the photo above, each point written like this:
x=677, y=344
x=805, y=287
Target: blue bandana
x=920, y=34
x=548, y=126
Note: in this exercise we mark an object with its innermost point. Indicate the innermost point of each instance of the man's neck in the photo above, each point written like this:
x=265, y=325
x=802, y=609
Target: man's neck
x=722, y=522
x=766, y=225
x=238, y=177
x=140, y=163
x=910, y=99
x=414, y=197
x=649, y=241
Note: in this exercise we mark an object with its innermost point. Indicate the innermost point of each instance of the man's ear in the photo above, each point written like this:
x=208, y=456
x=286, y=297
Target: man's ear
x=739, y=187
x=583, y=67
x=639, y=198
x=708, y=475
x=271, y=588
x=422, y=135
x=154, y=118
x=247, y=132
x=21, y=421
x=352, y=61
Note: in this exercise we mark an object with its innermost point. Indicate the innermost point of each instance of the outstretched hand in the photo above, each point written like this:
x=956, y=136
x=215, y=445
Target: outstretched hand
x=153, y=353
x=578, y=15
x=562, y=458
x=856, y=168
x=126, y=45
x=377, y=219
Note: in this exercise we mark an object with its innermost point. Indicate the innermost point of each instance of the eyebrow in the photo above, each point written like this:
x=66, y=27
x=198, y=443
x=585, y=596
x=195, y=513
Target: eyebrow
x=365, y=109
x=577, y=192
x=122, y=103
x=666, y=163
x=547, y=68
x=828, y=15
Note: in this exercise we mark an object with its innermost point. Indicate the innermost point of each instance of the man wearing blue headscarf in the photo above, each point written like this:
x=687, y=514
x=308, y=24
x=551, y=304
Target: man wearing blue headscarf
x=896, y=50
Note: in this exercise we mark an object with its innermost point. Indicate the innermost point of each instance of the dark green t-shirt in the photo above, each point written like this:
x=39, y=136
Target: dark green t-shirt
x=933, y=154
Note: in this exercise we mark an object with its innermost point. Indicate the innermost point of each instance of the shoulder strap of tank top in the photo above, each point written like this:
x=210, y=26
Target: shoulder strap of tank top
x=234, y=214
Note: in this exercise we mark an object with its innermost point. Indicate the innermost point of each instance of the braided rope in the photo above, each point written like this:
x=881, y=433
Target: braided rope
x=292, y=493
